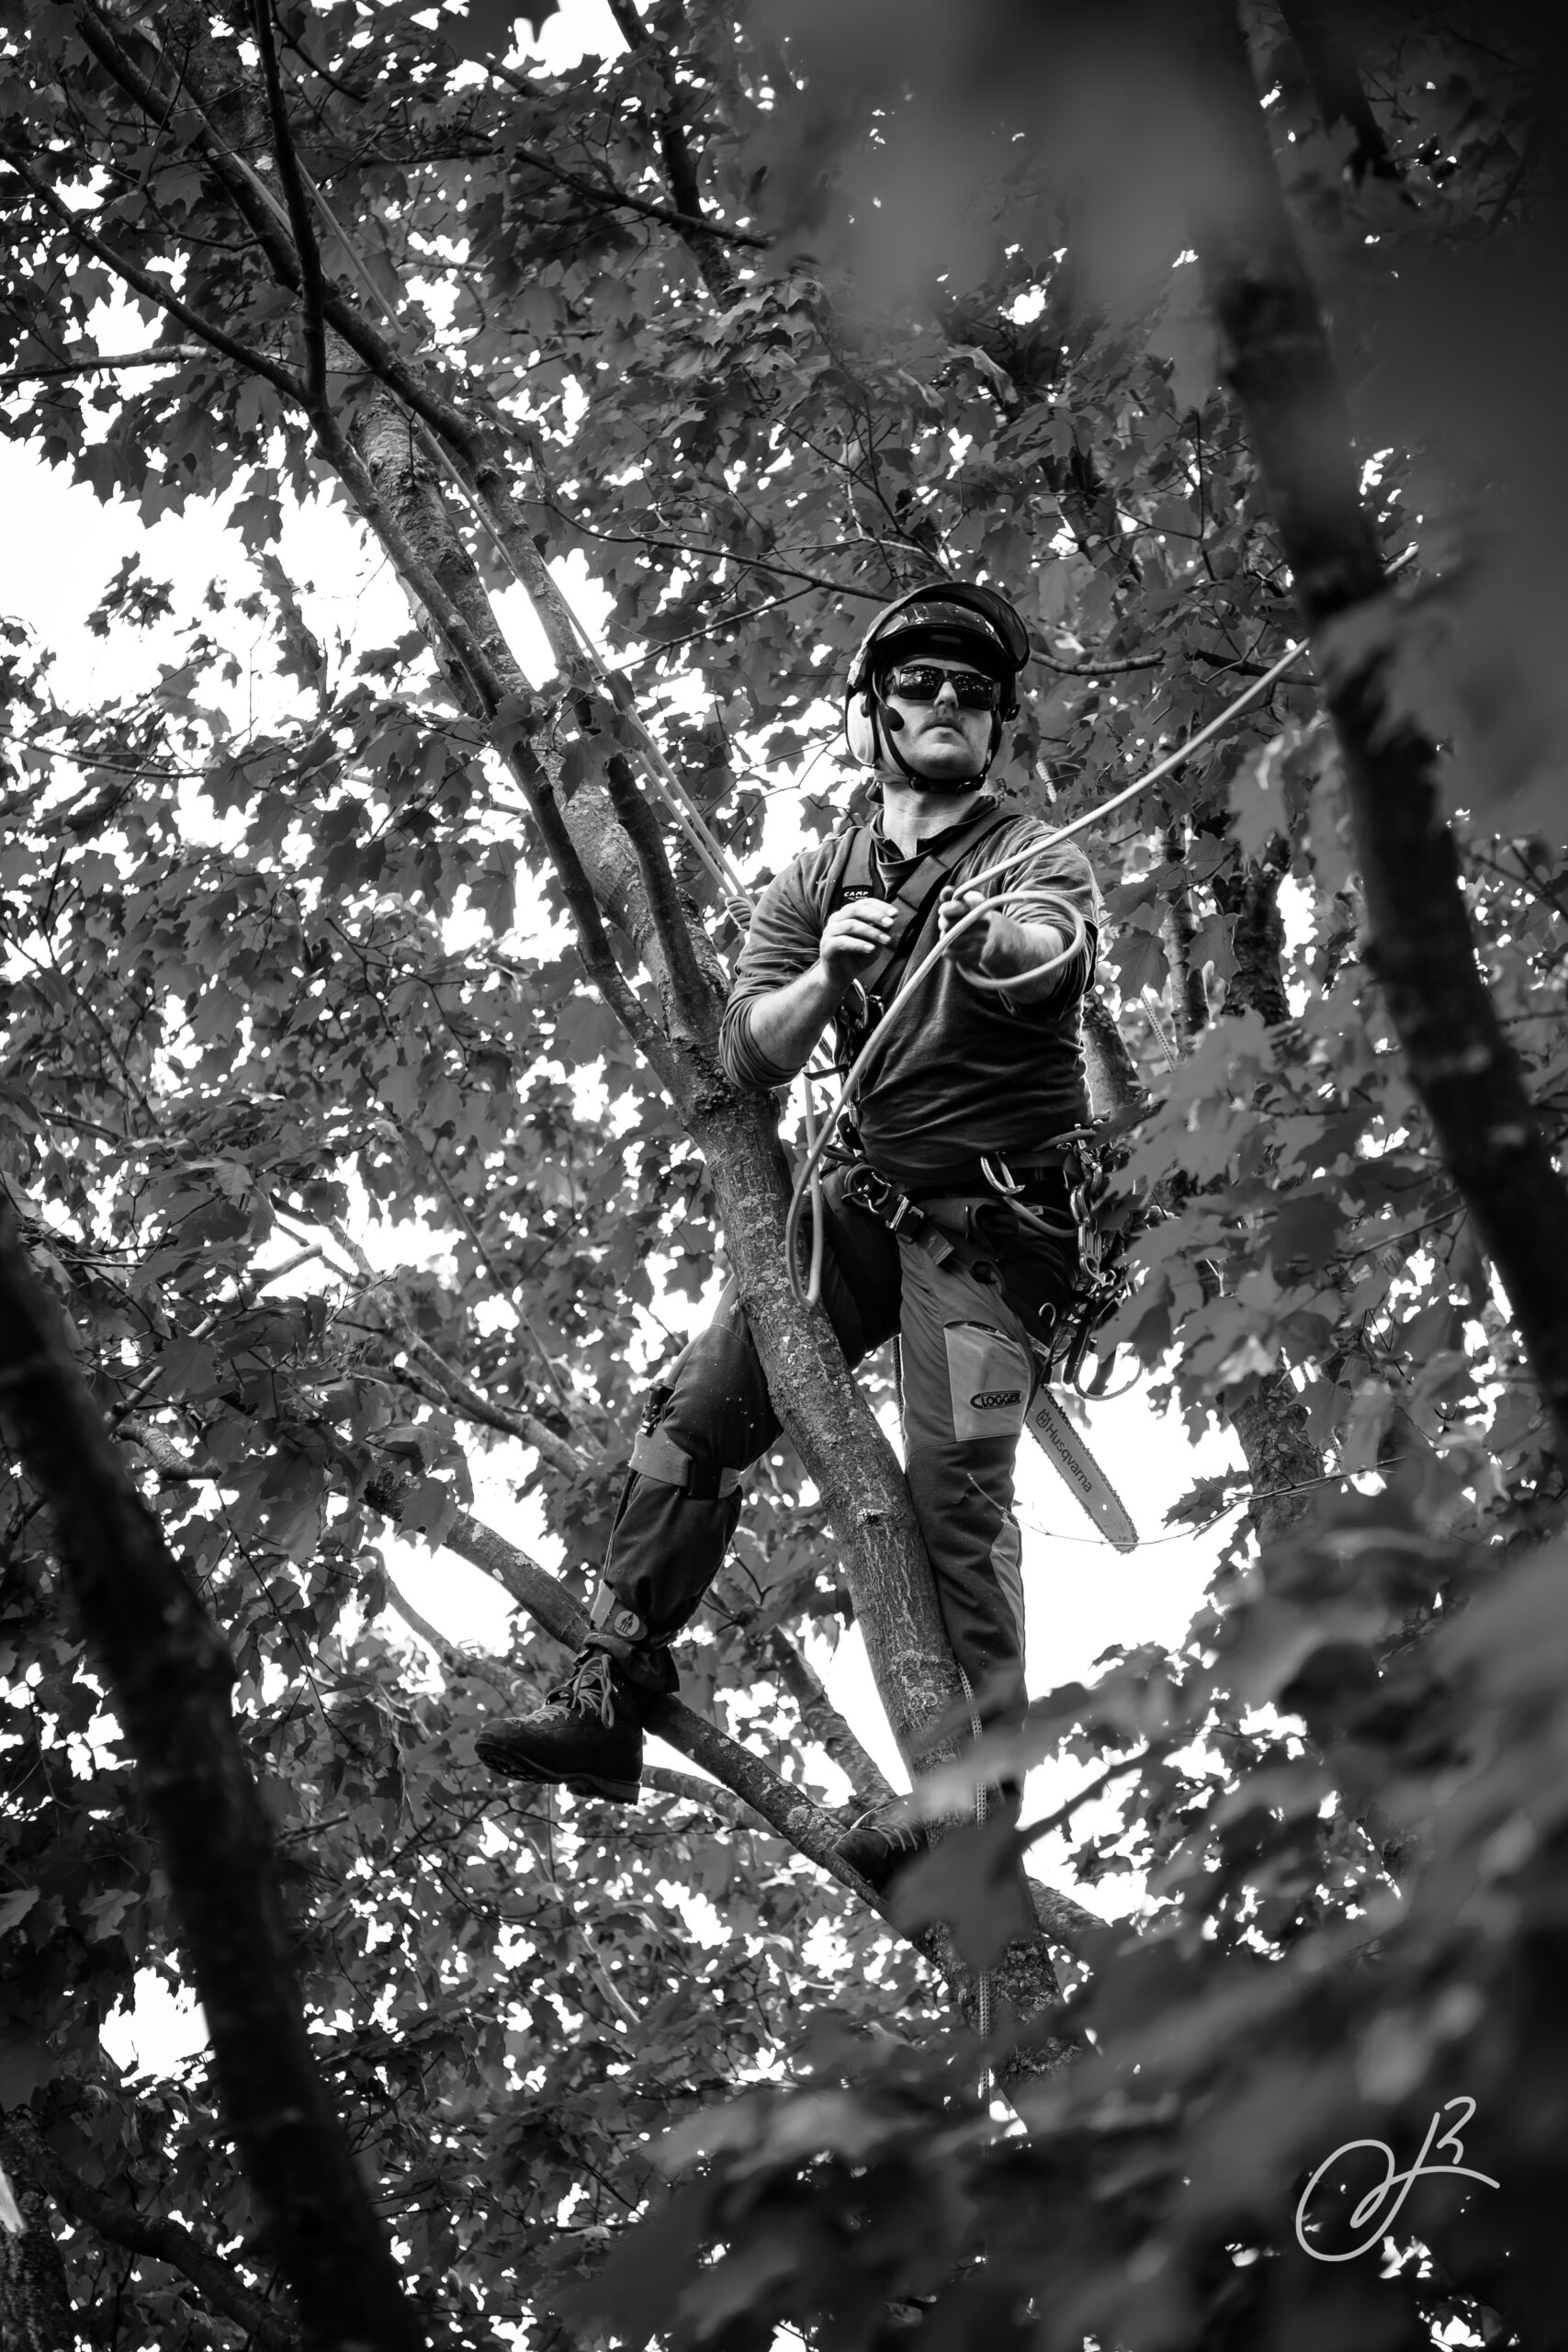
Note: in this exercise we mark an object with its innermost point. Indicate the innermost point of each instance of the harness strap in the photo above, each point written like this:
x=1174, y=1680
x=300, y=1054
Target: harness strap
x=994, y=1172
x=654, y=1455
x=854, y=874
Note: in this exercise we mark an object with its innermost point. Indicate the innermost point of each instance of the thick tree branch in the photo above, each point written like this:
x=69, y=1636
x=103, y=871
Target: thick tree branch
x=1116, y=1090
x=1180, y=935
x=170, y=1674
x=141, y=281
x=806, y=1826
x=809, y=1826
x=492, y=680
x=1277, y=358
x=213, y=79
x=694, y=997
x=313, y=283
x=166, y=2240
x=1250, y=900
x=1284, y=1459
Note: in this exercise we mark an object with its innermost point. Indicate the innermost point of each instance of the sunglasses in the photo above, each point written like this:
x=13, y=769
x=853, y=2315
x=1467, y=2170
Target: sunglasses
x=922, y=681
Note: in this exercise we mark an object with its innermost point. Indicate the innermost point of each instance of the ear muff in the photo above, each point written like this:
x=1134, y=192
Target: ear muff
x=861, y=729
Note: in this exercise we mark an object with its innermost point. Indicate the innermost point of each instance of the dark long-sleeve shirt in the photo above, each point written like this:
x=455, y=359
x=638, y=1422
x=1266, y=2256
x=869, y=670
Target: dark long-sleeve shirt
x=961, y=1070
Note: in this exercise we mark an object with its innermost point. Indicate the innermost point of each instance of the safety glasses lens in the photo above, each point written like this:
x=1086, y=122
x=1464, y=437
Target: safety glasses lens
x=918, y=683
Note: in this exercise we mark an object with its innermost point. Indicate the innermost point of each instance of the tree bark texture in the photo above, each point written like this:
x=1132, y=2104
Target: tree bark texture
x=1250, y=901
x=1277, y=358
x=1189, y=996
x=170, y=1673
x=35, y=2301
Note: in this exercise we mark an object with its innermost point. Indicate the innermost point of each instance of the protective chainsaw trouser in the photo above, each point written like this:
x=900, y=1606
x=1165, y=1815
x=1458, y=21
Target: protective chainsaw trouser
x=968, y=1375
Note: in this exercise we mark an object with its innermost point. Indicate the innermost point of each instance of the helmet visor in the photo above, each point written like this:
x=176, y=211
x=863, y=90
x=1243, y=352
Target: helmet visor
x=951, y=632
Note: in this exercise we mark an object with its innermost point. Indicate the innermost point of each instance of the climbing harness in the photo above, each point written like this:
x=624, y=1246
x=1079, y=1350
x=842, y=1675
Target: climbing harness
x=958, y=1226
x=854, y=874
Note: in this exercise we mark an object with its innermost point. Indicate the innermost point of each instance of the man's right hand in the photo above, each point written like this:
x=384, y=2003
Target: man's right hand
x=851, y=937
x=786, y=1022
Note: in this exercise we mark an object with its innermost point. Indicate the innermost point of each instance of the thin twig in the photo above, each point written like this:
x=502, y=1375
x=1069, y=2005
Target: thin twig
x=1109, y=669
x=167, y=353
x=457, y=1662
x=450, y=1390
x=1034, y=1830
x=615, y=198
x=711, y=628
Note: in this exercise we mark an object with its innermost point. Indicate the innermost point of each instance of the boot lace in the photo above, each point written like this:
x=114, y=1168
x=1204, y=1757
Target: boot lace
x=589, y=1687
x=890, y=1822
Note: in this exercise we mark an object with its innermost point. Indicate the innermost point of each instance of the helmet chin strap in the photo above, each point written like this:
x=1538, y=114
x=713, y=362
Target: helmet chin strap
x=889, y=748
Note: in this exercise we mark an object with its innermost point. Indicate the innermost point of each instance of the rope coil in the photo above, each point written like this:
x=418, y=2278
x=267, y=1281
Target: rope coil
x=808, y=1183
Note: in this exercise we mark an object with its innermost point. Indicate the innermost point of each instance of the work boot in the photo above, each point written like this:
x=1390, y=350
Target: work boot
x=881, y=1842
x=588, y=1733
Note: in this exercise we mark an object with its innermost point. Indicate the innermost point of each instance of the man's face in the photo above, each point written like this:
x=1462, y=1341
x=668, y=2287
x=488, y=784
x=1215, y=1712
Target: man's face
x=943, y=738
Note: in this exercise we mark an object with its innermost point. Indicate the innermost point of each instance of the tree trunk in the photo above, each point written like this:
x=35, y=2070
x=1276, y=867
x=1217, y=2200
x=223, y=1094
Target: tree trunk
x=35, y=2303
x=1277, y=359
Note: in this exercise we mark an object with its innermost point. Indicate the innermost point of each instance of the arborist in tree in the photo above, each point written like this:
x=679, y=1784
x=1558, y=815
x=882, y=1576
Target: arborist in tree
x=953, y=1225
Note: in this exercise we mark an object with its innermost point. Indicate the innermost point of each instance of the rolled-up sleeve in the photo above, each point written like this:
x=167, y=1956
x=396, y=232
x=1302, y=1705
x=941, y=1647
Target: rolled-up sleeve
x=781, y=944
